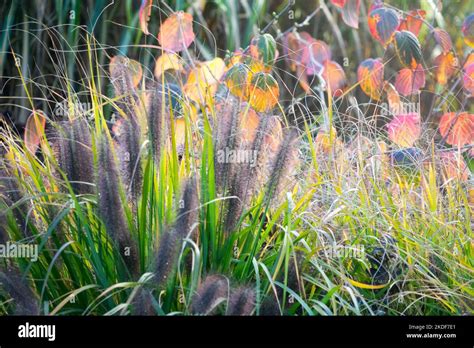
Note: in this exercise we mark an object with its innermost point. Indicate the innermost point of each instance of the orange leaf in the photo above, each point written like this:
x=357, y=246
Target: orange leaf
x=410, y=81
x=370, y=77
x=457, y=129
x=34, y=130
x=144, y=15
x=168, y=61
x=263, y=91
x=446, y=65
x=443, y=39
x=176, y=32
x=393, y=98
x=404, y=130
x=249, y=124
x=203, y=79
x=413, y=21
x=334, y=76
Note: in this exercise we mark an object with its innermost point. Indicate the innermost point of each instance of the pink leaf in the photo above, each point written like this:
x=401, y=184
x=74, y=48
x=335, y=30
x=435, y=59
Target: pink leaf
x=410, y=81
x=404, y=130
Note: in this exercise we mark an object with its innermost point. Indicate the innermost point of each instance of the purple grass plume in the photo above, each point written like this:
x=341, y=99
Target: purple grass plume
x=111, y=207
x=212, y=291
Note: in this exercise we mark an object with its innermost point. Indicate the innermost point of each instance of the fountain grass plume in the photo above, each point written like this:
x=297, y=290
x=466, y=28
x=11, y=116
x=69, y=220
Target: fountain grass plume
x=72, y=145
x=212, y=291
x=20, y=291
x=110, y=204
x=241, y=301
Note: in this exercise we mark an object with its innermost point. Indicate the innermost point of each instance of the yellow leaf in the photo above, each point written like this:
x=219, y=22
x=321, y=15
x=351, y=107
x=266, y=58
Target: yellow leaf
x=168, y=61
x=204, y=79
x=366, y=286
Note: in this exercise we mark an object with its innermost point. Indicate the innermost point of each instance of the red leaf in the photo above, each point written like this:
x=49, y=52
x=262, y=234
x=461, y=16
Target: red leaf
x=413, y=21
x=404, y=130
x=383, y=22
x=34, y=130
x=144, y=15
x=410, y=81
x=443, y=39
x=176, y=32
x=370, y=77
x=457, y=129
x=446, y=65
x=338, y=3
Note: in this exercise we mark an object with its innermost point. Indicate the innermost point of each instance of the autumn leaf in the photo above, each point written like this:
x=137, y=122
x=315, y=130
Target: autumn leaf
x=443, y=39
x=203, y=79
x=457, y=128
x=263, y=92
x=409, y=81
x=405, y=129
x=468, y=30
x=468, y=78
x=34, y=130
x=176, y=32
x=383, y=22
x=408, y=49
x=237, y=80
x=334, y=76
x=144, y=15
x=413, y=21
x=168, y=61
x=305, y=55
x=446, y=65
x=394, y=102
x=370, y=76
x=248, y=124
x=315, y=54
x=263, y=48
x=350, y=11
